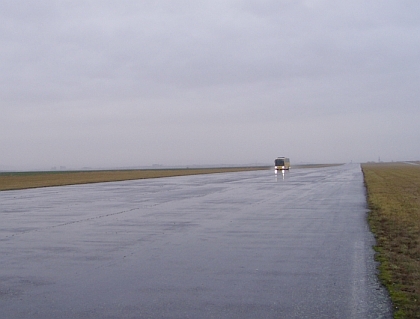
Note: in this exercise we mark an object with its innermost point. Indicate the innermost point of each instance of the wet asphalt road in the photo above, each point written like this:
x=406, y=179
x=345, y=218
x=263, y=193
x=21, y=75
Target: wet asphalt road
x=232, y=245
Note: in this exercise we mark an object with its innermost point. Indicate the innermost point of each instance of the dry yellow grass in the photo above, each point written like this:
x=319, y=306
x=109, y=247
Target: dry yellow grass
x=394, y=202
x=23, y=180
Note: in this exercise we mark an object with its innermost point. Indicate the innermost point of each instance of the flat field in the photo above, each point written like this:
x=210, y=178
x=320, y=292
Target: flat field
x=23, y=180
x=394, y=203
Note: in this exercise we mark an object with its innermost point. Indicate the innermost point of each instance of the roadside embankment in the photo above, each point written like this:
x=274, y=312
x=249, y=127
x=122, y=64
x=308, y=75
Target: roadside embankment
x=393, y=191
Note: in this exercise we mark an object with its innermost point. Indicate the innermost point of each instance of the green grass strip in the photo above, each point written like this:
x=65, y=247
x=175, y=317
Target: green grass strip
x=393, y=192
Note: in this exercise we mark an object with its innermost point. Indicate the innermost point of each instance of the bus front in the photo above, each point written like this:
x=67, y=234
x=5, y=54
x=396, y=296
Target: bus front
x=281, y=163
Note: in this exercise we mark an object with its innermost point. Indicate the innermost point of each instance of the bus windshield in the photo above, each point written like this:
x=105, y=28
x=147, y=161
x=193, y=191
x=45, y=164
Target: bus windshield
x=279, y=162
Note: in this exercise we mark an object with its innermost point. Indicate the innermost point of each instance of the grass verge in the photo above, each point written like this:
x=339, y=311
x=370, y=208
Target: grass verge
x=24, y=180
x=393, y=191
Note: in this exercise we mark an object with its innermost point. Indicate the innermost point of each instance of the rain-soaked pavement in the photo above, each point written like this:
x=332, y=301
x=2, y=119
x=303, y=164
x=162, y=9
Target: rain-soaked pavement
x=232, y=245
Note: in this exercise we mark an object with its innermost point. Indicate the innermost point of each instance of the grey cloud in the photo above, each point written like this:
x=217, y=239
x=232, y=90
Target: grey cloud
x=188, y=71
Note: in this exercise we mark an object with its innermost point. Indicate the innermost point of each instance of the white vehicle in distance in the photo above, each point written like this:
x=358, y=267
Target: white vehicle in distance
x=281, y=163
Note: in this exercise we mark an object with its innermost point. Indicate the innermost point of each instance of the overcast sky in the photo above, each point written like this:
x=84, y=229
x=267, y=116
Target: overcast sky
x=131, y=83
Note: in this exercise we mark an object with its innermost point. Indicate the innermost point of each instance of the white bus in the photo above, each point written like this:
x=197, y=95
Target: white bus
x=281, y=163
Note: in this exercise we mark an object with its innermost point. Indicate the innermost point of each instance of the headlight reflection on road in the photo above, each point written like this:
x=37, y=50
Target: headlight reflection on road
x=276, y=172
